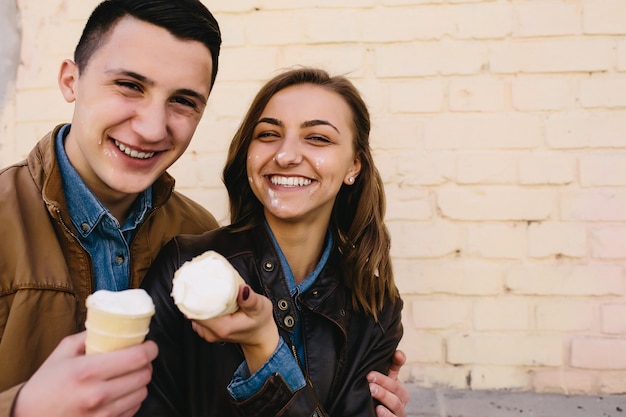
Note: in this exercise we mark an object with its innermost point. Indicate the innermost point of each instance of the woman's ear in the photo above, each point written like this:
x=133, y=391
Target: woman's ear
x=354, y=171
x=68, y=79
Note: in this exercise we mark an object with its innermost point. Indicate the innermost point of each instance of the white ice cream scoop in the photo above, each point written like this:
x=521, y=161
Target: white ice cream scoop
x=206, y=287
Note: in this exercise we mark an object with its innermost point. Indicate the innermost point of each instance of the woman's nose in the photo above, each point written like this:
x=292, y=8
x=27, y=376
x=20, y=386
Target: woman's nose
x=289, y=153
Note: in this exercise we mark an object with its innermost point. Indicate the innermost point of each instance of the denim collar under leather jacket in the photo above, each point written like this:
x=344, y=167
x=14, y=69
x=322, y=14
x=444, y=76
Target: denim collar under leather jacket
x=342, y=345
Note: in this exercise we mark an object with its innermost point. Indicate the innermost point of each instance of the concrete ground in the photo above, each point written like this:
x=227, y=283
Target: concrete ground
x=453, y=403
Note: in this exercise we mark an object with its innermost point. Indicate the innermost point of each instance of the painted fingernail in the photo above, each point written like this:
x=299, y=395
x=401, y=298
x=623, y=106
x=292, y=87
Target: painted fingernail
x=246, y=293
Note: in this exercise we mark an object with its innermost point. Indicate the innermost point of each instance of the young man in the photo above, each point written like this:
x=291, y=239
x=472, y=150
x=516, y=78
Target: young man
x=92, y=205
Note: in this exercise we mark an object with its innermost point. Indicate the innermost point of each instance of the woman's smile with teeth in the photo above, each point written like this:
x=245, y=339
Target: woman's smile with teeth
x=290, y=181
x=133, y=153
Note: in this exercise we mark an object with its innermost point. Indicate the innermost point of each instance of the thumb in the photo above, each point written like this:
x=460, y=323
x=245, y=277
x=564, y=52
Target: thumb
x=247, y=299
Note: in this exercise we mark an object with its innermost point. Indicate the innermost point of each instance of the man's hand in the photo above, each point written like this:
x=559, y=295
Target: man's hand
x=389, y=390
x=69, y=383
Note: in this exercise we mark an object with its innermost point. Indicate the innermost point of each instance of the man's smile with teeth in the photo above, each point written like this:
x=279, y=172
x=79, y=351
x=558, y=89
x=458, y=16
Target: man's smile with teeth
x=290, y=181
x=133, y=153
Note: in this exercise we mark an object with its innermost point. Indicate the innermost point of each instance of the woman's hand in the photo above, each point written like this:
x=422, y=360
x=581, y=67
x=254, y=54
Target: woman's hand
x=252, y=326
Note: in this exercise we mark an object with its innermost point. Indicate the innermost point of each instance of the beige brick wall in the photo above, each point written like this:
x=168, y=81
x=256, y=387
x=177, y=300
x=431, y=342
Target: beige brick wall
x=499, y=128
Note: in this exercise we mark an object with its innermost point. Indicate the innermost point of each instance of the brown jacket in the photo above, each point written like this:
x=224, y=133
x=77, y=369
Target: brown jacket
x=46, y=274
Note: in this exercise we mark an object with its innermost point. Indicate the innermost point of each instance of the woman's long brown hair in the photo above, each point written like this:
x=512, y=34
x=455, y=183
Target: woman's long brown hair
x=358, y=214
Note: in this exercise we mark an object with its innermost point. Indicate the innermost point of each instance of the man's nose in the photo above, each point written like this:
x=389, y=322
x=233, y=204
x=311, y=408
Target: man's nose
x=150, y=121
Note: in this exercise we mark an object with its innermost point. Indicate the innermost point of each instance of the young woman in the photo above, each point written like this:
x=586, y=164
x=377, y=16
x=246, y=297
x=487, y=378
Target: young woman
x=320, y=309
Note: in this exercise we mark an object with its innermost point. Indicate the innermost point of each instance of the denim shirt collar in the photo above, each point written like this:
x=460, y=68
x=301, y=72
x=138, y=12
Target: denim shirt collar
x=84, y=209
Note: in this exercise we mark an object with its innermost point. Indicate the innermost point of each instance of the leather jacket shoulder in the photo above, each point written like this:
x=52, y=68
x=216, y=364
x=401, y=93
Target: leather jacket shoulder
x=342, y=344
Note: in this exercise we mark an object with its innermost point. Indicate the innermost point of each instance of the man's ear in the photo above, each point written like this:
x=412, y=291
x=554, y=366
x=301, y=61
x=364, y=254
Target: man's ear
x=68, y=80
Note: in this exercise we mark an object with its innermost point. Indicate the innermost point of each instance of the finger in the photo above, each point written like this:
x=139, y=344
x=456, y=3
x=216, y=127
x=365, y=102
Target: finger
x=391, y=402
x=73, y=345
x=120, y=362
x=381, y=411
x=399, y=359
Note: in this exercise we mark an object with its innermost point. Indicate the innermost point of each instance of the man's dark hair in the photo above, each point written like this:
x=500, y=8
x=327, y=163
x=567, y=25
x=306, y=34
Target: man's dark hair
x=185, y=19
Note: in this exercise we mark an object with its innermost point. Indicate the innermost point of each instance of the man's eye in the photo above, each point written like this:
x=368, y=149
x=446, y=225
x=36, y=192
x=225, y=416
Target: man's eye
x=129, y=85
x=184, y=101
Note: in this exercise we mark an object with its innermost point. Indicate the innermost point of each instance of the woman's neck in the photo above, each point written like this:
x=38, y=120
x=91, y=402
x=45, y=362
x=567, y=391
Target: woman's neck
x=302, y=245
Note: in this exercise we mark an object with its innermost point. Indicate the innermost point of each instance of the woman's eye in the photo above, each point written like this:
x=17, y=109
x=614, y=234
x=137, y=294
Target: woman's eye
x=266, y=135
x=319, y=139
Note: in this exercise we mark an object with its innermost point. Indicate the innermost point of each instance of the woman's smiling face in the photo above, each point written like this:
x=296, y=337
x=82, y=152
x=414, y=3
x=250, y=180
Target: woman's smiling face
x=301, y=153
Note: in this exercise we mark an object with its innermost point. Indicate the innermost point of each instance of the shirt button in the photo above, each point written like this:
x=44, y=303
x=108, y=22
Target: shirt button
x=85, y=227
x=119, y=259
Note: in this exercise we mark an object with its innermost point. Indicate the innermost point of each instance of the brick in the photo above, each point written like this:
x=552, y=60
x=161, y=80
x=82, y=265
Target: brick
x=608, y=241
x=598, y=353
x=429, y=58
x=438, y=376
x=331, y=26
x=486, y=168
x=564, y=381
x=502, y=313
x=496, y=241
x=551, y=56
x=424, y=168
x=489, y=131
x=565, y=316
x=351, y=59
x=423, y=347
x=566, y=280
x=604, y=17
x=547, y=19
x=423, y=239
x=409, y=23
x=593, y=205
x=460, y=277
x=495, y=203
x=603, y=92
x=499, y=377
x=482, y=94
x=408, y=203
x=42, y=106
x=416, y=96
x=483, y=21
x=578, y=130
x=543, y=93
x=605, y=169
x=547, y=168
x=504, y=349
x=613, y=318
x=397, y=133
x=440, y=313
x=612, y=382
x=547, y=239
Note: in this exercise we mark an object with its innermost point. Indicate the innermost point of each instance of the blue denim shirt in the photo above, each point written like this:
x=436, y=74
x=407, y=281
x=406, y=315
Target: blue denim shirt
x=98, y=231
x=244, y=385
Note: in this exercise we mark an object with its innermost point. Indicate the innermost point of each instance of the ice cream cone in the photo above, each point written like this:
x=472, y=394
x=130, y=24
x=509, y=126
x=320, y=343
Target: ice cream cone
x=206, y=287
x=116, y=320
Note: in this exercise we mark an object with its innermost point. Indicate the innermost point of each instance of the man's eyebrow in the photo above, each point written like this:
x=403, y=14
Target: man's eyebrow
x=146, y=80
x=308, y=123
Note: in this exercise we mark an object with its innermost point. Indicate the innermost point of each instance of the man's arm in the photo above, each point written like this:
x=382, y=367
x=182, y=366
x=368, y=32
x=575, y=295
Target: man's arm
x=388, y=390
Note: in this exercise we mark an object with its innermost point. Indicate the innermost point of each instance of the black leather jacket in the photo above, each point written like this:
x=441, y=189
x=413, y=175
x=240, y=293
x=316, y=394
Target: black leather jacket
x=342, y=345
